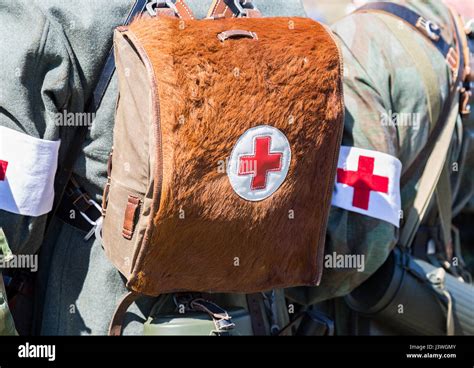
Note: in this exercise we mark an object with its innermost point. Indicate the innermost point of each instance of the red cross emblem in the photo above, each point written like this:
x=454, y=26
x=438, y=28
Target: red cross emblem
x=261, y=163
x=364, y=181
x=3, y=169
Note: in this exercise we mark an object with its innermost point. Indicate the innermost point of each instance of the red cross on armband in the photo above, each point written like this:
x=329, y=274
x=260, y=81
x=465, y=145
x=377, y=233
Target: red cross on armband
x=363, y=181
x=368, y=182
x=3, y=169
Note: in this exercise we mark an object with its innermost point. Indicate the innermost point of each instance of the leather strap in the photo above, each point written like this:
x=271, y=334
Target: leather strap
x=116, y=325
x=232, y=9
x=133, y=204
x=170, y=8
x=183, y=11
x=255, y=303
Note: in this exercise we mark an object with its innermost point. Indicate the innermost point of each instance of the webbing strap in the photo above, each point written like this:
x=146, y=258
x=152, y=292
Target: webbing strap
x=444, y=202
x=430, y=83
x=428, y=181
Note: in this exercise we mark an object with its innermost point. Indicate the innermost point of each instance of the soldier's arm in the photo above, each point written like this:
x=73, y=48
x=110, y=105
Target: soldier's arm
x=367, y=93
x=38, y=80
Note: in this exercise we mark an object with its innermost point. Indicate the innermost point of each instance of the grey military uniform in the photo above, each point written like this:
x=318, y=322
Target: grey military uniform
x=52, y=54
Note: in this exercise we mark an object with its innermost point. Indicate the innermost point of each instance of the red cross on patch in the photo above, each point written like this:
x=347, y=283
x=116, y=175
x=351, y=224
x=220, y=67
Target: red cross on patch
x=3, y=169
x=260, y=163
x=363, y=181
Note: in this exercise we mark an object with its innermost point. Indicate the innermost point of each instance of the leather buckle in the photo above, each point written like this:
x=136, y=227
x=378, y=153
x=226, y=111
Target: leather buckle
x=430, y=29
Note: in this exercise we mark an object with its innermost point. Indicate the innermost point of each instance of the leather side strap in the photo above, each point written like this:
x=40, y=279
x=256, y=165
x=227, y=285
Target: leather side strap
x=115, y=328
x=255, y=302
x=133, y=203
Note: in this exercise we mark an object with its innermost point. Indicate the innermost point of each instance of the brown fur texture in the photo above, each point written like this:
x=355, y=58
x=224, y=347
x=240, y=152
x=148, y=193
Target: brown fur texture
x=290, y=79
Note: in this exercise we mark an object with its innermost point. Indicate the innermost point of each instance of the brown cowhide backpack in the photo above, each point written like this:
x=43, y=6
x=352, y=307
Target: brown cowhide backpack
x=226, y=140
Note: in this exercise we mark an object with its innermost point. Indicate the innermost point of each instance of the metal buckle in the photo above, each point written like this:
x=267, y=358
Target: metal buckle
x=465, y=107
x=97, y=224
x=243, y=6
x=469, y=28
x=152, y=5
x=429, y=28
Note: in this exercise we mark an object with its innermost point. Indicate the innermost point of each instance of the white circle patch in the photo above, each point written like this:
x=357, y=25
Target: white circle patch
x=259, y=162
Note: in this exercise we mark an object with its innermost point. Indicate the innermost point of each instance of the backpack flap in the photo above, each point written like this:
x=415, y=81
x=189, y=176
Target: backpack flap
x=225, y=146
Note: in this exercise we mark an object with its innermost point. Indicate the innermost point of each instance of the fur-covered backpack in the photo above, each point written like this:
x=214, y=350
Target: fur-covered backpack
x=226, y=140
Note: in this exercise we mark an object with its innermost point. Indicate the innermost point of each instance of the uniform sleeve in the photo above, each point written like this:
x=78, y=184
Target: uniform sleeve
x=40, y=84
x=367, y=101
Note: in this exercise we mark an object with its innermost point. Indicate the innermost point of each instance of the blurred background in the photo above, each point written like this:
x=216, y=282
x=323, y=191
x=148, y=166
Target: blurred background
x=328, y=11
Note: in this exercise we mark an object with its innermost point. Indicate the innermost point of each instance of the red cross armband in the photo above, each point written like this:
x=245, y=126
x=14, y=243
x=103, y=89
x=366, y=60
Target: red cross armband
x=368, y=182
x=27, y=169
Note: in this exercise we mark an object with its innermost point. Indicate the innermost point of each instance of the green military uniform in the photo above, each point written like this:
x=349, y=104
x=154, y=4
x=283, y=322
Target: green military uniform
x=52, y=55
x=7, y=326
x=381, y=78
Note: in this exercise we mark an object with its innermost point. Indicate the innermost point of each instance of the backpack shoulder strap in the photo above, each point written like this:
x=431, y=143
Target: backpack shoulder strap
x=170, y=8
x=233, y=9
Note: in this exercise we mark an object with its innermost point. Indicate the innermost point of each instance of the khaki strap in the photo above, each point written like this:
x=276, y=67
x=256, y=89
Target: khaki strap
x=115, y=328
x=255, y=303
x=444, y=202
x=430, y=82
x=436, y=161
x=436, y=164
x=429, y=179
